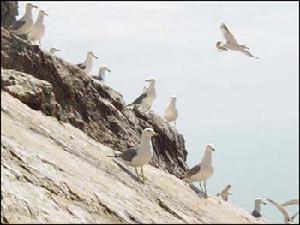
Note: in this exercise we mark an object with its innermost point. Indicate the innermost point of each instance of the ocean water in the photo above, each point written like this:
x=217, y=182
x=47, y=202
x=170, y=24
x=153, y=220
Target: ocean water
x=257, y=160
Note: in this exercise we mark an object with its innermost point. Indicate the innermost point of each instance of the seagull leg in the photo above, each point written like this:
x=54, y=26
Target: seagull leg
x=175, y=123
x=205, y=188
x=143, y=175
x=201, y=189
x=137, y=172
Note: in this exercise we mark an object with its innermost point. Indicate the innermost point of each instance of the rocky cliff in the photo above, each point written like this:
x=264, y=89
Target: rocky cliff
x=57, y=128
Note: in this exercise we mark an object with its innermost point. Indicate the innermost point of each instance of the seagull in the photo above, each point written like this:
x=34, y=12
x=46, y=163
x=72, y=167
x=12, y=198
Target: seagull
x=101, y=74
x=224, y=194
x=231, y=43
x=291, y=202
x=171, y=113
x=287, y=218
x=88, y=62
x=38, y=29
x=257, y=208
x=23, y=25
x=203, y=170
x=53, y=50
x=148, y=96
x=140, y=155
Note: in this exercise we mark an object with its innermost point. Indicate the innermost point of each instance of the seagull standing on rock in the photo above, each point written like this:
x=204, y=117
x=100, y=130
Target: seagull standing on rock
x=38, y=29
x=203, y=170
x=257, y=208
x=101, y=75
x=139, y=155
x=171, y=112
x=23, y=25
x=231, y=43
x=225, y=193
x=148, y=96
x=87, y=65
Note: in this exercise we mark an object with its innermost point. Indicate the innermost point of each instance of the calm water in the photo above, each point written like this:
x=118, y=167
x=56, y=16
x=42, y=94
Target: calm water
x=257, y=160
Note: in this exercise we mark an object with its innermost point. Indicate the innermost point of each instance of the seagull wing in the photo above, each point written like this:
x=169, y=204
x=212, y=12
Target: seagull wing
x=247, y=53
x=291, y=202
x=194, y=170
x=81, y=66
x=228, y=35
x=281, y=209
x=293, y=217
x=18, y=24
x=129, y=154
x=140, y=99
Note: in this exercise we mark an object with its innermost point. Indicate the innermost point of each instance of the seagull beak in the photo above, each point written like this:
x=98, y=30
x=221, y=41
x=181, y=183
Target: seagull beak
x=34, y=6
x=108, y=70
x=263, y=203
x=213, y=149
x=46, y=14
x=95, y=56
x=57, y=49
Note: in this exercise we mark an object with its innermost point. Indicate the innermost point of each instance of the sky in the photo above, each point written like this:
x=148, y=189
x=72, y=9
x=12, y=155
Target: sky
x=247, y=108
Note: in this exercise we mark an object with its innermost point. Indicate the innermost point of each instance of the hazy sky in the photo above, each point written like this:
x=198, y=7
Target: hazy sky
x=244, y=106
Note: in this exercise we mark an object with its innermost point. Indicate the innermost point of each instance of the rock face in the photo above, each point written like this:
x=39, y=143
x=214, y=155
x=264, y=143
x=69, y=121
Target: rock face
x=52, y=172
x=87, y=104
x=9, y=11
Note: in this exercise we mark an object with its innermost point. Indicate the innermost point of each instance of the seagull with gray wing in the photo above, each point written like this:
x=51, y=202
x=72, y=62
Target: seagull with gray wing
x=87, y=65
x=231, y=43
x=148, y=96
x=23, y=25
x=225, y=193
x=139, y=155
x=202, y=171
x=37, y=31
x=287, y=218
x=257, y=208
x=171, y=112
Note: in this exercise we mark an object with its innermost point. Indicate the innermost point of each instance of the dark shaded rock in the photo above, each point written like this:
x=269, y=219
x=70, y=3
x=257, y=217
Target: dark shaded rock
x=92, y=106
x=9, y=11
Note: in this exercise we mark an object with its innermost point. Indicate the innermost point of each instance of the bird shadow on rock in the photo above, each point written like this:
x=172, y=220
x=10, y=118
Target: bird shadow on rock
x=128, y=171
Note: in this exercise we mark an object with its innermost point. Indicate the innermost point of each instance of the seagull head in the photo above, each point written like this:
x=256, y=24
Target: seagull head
x=90, y=54
x=260, y=201
x=30, y=6
x=173, y=98
x=210, y=148
x=151, y=80
x=53, y=50
x=149, y=132
x=221, y=46
x=42, y=13
x=105, y=68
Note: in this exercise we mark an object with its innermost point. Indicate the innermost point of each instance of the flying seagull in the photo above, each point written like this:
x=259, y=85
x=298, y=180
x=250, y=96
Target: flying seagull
x=88, y=62
x=287, y=218
x=203, y=170
x=38, y=29
x=231, y=43
x=257, y=208
x=171, y=112
x=140, y=155
x=101, y=75
x=23, y=25
x=148, y=96
x=225, y=193
x=53, y=50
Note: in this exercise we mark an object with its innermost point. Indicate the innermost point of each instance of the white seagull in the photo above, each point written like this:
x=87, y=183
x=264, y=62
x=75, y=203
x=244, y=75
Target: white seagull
x=257, y=208
x=38, y=29
x=140, y=155
x=225, y=193
x=287, y=218
x=87, y=65
x=148, y=96
x=53, y=50
x=231, y=43
x=101, y=75
x=23, y=25
x=171, y=113
x=203, y=170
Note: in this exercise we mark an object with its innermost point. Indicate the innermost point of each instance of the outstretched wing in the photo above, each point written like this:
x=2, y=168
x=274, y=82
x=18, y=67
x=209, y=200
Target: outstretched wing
x=247, y=53
x=228, y=35
x=18, y=24
x=281, y=209
x=291, y=202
